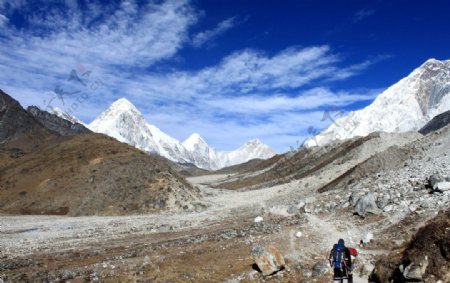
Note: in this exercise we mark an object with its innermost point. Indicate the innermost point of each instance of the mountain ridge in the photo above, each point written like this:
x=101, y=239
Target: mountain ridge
x=123, y=121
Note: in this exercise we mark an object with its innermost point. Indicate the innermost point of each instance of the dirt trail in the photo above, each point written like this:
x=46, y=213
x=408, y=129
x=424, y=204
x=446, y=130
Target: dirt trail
x=328, y=234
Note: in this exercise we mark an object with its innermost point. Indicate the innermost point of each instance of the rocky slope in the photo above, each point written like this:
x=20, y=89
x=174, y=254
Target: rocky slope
x=123, y=121
x=406, y=106
x=425, y=256
x=340, y=156
x=19, y=129
x=57, y=124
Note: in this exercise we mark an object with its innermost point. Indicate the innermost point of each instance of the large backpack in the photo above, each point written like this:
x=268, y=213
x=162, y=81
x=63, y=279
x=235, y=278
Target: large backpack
x=338, y=256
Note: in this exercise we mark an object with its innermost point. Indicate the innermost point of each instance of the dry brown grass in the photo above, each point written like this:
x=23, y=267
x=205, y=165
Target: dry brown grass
x=86, y=175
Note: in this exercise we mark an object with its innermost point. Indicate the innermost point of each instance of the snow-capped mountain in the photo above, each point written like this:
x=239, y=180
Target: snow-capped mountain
x=203, y=155
x=405, y=106
x=208, y=157
x=125, y=123
x=250, y=150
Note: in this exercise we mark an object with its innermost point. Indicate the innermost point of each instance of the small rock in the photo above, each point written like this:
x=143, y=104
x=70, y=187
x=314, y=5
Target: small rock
x=319, y=269
x=268, y=259
x=298, y=234
x=258, y=219
x=146, y=260
x=416, y=271
x=368, y=236
x=307, y=272
x=388, y=208
x=383, y=200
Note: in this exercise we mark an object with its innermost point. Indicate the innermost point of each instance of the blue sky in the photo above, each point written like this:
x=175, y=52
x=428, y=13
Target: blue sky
x=229, y=70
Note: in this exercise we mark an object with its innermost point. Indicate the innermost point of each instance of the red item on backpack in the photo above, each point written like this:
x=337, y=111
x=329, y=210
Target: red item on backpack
x=353, y=252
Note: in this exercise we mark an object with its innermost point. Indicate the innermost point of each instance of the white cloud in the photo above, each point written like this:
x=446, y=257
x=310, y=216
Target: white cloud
x=309, y=100
x=249, y=94
x=129, y=35
x=202, y=37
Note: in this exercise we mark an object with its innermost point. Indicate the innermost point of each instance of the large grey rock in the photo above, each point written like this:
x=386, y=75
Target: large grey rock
x=366, y=204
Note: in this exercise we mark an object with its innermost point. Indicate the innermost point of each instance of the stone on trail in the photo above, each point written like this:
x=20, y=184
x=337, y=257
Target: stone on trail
x=258, y=219
x=298, y=234
x=268, y=259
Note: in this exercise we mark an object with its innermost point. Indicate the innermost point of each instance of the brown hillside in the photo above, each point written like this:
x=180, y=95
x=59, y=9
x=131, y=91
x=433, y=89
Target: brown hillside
x=89, y=175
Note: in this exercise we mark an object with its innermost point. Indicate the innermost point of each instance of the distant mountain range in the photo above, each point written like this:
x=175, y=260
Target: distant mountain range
x=124, y=122
x=405, y=106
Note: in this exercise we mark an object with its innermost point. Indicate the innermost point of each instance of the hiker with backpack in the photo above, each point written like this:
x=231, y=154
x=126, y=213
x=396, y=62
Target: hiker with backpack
x=341, y=262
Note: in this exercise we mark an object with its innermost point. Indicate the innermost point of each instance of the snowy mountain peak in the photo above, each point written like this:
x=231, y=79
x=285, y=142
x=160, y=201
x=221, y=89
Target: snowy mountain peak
x=123, y=105
x=194, y=140
x=405, y=106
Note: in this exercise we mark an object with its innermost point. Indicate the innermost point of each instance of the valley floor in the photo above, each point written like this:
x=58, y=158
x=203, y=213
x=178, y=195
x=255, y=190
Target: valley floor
x=212, y=245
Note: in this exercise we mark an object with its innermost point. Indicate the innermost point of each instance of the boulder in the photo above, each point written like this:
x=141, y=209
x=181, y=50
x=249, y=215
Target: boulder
x=268, y=259
x=366, y=204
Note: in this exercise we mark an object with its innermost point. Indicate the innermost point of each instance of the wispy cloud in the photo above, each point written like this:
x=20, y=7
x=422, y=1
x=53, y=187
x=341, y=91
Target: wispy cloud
x=362, y=14
x=203, y=37
x=248, y=94
x=3, y=20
